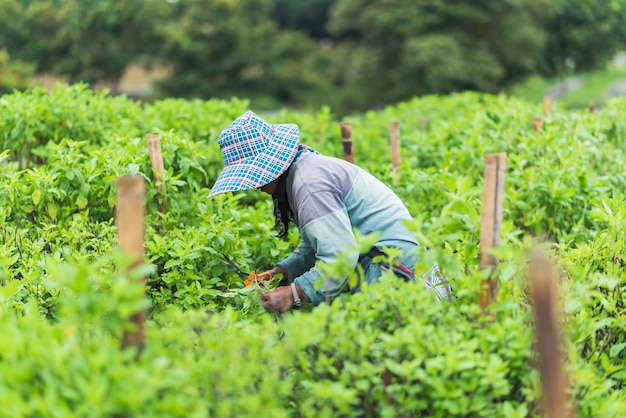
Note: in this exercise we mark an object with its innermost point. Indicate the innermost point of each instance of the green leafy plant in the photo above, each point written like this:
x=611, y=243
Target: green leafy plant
x=391, y=350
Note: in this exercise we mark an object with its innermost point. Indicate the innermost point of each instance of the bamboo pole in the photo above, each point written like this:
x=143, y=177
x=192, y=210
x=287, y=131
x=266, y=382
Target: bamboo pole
x=158, y=170
x=131, y=231
x=543, y=278
x=491, y=224
x=500, y=175
x=394, y=136
x=547, y=104
x=592, y=106
x=346, y=139
x=488, y=261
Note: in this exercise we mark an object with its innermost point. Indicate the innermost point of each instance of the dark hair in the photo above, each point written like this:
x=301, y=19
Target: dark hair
x=282, y=211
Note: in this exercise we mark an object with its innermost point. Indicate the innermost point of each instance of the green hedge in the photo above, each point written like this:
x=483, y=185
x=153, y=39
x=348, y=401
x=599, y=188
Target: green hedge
x=390, y=351
x=212, y=351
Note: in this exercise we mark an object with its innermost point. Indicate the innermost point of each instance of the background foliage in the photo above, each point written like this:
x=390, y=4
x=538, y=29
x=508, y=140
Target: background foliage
x=13, y=74
x=390, y=351
x=584, y=35
x=350, y=54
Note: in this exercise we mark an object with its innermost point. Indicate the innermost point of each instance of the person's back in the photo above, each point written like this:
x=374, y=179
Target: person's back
x=319, y=185
x=330, y=198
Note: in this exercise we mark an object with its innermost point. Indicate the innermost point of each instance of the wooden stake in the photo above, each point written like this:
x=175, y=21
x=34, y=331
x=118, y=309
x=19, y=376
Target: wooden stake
x=130, y=231
x=501, y=172
x=592, y=106
x=493, y=199
x=488, y=261
x=543, y=278
x=537, y=124
x=158, y=171
x=547, y=104
x=394, y=135
x=346, y=139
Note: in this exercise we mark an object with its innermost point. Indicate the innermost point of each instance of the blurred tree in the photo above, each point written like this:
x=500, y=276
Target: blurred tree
x=85, y=41
x=384, y=50
x=583, y=35
x=310, y=16
x=395, y=49
x=230, y=48
x=28, y=30
x=101, y=38
x=13, y=74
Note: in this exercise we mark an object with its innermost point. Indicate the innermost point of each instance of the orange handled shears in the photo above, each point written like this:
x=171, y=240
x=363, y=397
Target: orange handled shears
x=249, y=278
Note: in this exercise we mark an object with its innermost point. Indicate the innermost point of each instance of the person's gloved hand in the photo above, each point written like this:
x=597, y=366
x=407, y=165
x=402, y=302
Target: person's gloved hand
x=279, y=300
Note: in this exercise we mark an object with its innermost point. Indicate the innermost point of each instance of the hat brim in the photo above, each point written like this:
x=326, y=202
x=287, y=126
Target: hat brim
x=264, y=167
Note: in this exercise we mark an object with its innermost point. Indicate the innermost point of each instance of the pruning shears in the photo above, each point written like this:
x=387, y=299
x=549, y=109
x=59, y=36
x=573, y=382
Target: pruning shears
x=249, y=278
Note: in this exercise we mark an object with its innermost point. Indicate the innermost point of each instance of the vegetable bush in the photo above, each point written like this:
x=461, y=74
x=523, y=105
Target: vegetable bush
x=390, y=351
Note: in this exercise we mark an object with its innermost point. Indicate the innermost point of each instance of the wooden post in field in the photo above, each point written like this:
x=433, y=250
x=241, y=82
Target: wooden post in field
x=130, y=231
x=158, y=171
x=547, y=104
x=346, y=139
x=537, y=124
x=394, y=136
x=493, y=198
x=592, y=106
x=543, y=277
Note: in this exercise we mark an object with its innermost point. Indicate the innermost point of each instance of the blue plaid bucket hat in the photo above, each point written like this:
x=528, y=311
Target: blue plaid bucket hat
x=255, y=153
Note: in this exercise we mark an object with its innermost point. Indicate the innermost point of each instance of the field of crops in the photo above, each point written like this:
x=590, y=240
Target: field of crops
x=391, y=351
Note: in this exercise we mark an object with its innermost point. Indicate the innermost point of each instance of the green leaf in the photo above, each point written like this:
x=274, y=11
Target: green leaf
x=133, y=169
x=173, y=263
x=616, y=349
x=52, y=211
x=81, y=202
x=36, y=196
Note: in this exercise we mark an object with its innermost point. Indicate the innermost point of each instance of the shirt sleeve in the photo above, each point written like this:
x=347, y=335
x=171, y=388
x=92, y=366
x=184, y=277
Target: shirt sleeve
x=300, y=260
x=328, y=236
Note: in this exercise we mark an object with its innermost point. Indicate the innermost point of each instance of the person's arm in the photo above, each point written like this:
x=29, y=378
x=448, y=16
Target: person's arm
x=329, y=235
x=299, y=261
x=328, y=232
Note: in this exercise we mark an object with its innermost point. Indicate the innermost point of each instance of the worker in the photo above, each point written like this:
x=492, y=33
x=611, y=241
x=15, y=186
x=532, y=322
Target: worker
x=327, y=199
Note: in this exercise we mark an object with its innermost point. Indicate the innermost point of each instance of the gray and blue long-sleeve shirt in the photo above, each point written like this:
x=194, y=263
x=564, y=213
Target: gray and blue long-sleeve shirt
x=329, y=197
